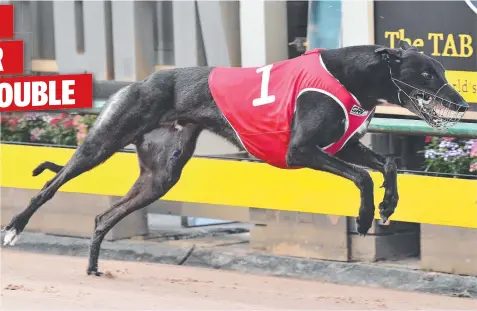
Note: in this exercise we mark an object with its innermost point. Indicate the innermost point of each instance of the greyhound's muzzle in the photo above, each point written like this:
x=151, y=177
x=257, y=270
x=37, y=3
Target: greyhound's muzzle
x=435, y=109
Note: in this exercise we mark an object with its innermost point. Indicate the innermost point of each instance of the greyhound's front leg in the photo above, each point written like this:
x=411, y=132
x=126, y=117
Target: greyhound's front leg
x=314, y=158
x=357, y=153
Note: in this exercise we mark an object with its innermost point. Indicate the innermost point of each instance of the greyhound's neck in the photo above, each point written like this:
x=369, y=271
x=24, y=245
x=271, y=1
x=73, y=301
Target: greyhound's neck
x=362, y=72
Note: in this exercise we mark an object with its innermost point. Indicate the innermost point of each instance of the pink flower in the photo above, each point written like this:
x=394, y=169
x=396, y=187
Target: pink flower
x=77, y=120
x=449, y=138
x=81, y=133
x=46, y=118
x=83, y=128
x=36, y=133
x=30, y=116
x=473, y=167
x=473, y=150
x=80, y=136
x=428, y=139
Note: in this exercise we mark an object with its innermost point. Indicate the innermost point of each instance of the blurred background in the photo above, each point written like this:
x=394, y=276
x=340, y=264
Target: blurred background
x=125, y=41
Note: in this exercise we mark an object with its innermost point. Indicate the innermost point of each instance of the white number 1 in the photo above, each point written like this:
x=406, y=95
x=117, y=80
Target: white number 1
x=264, y=98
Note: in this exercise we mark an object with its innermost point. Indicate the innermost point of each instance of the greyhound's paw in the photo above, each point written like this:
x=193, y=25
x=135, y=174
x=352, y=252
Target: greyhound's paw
x=94, y=272
x=11, y=237
x=364, y=224
x=387, y=207
x=13, y=230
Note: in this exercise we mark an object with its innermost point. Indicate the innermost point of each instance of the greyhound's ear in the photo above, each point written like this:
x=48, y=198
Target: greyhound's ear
x=406, y=46
x=389, y=55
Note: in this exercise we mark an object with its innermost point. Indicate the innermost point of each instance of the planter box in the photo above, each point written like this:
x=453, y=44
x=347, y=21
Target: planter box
x=330, y=237
x=449, y=249
x=398, y=240
x=299, y=234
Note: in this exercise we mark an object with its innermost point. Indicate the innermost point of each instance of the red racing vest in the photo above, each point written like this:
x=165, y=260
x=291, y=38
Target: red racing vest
x=259, y=103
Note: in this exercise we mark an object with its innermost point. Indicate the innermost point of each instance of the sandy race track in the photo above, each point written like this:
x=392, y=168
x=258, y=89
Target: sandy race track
x=47, y=282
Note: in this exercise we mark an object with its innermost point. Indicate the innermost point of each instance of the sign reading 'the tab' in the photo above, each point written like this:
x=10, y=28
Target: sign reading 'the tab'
x=444, y=30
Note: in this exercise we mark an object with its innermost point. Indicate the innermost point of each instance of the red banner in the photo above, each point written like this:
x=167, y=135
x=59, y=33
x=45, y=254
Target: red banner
x=6, y=21
x=46, y=93
x=11, y=57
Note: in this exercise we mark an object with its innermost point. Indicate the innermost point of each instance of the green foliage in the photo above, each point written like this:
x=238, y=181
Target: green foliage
x=451, y=155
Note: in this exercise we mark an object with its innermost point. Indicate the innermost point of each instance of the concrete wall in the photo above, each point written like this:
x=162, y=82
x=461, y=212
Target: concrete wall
x=285, y=233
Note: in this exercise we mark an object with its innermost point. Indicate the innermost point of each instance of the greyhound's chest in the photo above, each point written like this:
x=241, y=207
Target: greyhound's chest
x=259, y=103
x=361, y=131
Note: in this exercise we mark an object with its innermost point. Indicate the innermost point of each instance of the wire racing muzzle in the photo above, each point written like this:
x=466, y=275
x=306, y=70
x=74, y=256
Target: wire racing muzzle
x=437, y=111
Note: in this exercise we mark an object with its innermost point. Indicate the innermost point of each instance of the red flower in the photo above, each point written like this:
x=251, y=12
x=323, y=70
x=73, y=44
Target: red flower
x=67, y=124
x=55, y=121
x=428, y=139
x=13, y=122
x=449, y=138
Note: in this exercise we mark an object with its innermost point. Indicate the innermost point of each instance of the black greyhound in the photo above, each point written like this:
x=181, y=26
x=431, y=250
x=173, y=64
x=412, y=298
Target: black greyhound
x=164, y=114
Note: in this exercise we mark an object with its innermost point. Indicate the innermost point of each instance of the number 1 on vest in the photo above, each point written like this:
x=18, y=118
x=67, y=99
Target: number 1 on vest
x=264, y=98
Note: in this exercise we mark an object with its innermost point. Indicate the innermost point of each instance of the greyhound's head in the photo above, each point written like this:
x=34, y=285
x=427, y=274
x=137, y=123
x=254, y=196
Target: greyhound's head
x=422, y=86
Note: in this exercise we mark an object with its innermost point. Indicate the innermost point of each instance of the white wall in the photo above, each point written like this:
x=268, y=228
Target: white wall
x=357, y=29
x=263, y=32
x=357, y=22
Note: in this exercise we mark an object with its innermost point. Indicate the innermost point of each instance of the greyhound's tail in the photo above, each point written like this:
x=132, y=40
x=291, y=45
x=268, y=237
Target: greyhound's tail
x=46, y=166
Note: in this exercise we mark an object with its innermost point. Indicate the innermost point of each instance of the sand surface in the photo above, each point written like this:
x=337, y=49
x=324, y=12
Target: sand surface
x=48, y=282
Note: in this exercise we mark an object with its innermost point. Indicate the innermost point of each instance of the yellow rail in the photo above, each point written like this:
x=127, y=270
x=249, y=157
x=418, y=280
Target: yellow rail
x=431, y=200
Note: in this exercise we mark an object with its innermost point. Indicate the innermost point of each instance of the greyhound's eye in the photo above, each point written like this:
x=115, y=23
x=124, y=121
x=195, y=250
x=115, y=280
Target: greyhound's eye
x=427, y=75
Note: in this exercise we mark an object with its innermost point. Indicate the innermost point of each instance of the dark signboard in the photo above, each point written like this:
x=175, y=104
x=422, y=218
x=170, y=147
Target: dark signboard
x=446, y=30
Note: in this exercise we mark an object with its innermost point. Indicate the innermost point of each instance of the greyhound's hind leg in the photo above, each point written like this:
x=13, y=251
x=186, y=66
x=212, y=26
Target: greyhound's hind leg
x=78, y=164
x=162, y=155
x=89, y=155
